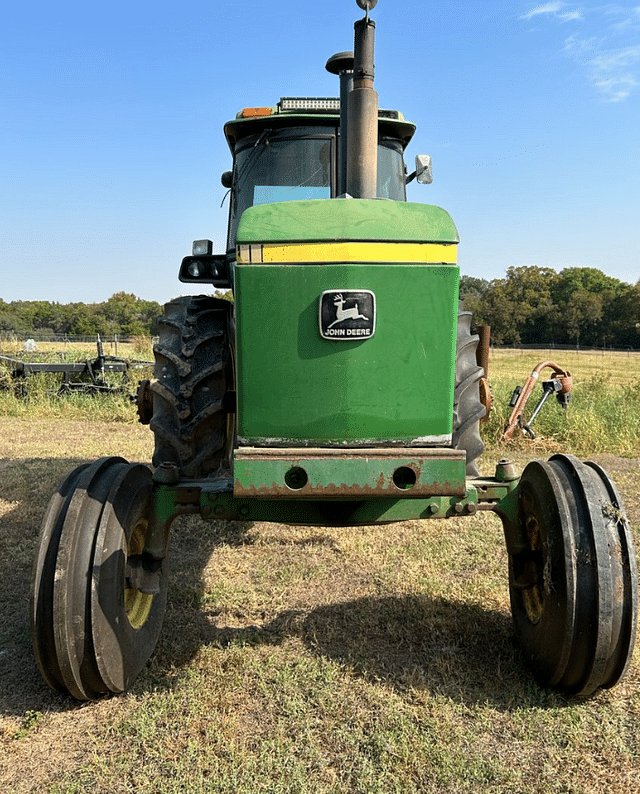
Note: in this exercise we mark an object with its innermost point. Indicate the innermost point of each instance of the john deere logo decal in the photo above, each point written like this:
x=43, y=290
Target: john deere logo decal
x=347, y=314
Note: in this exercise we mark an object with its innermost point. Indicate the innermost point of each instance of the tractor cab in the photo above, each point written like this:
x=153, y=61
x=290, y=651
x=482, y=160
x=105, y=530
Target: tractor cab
x=291, y=152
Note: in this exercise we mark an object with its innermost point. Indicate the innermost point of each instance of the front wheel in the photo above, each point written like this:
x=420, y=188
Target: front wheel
x=92, y=629
x=574, y=587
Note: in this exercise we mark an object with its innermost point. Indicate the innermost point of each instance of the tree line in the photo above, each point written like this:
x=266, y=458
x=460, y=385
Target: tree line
x=123, y=314
x=531, y=305
x=536, y=305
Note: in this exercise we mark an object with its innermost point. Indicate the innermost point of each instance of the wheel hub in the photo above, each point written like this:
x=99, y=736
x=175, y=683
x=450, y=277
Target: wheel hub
x=530, y=577
x=137, y=604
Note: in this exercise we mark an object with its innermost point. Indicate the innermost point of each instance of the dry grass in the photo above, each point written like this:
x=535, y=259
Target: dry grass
x=293, y=659
x=619, y=368
x=141, y=347
x=377, y=659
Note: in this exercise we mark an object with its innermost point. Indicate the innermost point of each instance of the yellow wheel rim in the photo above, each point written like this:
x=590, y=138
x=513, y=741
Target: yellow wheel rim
x=137, y=605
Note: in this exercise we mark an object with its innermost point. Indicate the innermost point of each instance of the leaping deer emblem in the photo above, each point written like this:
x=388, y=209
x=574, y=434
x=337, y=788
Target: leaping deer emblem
x=353, y=313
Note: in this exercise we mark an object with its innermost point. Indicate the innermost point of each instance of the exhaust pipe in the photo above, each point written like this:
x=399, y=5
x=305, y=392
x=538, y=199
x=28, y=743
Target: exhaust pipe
x=358, y=146
x=362, y=124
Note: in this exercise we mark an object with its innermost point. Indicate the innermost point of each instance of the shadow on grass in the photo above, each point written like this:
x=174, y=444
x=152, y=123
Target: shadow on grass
x=449, y=648
x=452, y=650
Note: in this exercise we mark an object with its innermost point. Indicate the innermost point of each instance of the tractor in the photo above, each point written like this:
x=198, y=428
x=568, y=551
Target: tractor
x=339, y=387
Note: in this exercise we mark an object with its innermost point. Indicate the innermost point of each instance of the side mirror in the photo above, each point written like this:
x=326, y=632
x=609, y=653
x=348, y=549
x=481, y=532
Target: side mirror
x=227, y=179
x=424, y=171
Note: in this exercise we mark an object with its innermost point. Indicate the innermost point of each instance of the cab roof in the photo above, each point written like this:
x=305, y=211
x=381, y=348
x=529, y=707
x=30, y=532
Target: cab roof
x=308, y=112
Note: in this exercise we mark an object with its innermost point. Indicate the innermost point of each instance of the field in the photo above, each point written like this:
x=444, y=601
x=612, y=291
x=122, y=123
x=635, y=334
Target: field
x=604, y=413
x=619, y=367
x=38, y=393
x=293, y=659
x=136, y=348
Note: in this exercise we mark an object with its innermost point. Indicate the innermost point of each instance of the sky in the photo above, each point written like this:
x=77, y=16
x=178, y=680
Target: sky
x=111, y=119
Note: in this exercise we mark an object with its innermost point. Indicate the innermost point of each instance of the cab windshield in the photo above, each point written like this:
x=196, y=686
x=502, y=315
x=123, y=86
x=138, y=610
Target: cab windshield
x=300, y=163
x=280, y=167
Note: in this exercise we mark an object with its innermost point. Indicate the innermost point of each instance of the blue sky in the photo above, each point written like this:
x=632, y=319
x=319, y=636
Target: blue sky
x=111, y=121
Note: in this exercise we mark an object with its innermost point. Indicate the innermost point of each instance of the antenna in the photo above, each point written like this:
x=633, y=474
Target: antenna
x=367, y=5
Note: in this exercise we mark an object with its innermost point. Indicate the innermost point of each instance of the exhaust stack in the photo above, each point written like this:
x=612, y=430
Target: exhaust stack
x=362, y=125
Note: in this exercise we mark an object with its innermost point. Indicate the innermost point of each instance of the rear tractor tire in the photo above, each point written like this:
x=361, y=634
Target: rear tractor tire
x=468, y=409
x=92, y=629
x=192, y=421
x=574, y=588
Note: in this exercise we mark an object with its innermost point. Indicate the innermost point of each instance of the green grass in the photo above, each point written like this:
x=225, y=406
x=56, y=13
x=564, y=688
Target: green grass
x=604, y=415
x=601, y=417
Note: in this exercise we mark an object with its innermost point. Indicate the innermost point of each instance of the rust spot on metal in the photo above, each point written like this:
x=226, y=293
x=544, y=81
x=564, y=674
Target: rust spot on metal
x=482, y=351
x=340, y=480
x=355, y=491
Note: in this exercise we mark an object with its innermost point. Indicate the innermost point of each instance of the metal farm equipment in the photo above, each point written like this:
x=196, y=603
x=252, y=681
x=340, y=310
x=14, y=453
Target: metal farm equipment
x=339, y=388
x=560, y=384
x=83, y=376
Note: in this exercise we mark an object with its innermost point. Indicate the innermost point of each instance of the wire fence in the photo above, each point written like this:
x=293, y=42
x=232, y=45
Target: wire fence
x=32, y=343
x=37, y=336
x=551, y=346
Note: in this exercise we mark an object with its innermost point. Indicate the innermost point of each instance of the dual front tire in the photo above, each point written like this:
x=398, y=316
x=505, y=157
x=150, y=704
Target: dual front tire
x=92, y=629
x=574, y=582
